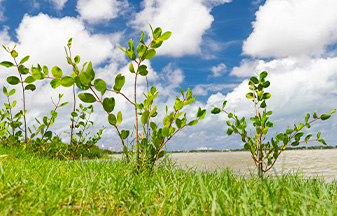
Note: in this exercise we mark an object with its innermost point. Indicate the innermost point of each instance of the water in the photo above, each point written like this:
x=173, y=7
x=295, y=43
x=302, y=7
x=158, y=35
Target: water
x=310, y=163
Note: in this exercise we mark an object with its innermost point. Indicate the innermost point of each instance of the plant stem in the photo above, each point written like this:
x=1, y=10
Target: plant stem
x=72, y=122
x=136, y=116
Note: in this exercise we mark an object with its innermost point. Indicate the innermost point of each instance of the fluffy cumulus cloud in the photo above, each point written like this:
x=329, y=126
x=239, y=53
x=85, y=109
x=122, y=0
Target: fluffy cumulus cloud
x=292, y=28
x=100, y=10
x=188, y=21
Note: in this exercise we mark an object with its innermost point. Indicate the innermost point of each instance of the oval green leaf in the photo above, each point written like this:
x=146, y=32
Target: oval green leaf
x=112, y=119
x=100, y=85
x=67, y=81
x=57, y=72
x=87, y=97
x=31, y=87
x=13, y=80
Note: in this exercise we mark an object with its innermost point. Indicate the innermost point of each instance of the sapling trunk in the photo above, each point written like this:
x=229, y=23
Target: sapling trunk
x=72, y=122
x=136, y=117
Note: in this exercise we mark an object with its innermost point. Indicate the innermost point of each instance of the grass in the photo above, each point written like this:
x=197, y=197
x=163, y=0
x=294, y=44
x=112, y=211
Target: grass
x=34, y=185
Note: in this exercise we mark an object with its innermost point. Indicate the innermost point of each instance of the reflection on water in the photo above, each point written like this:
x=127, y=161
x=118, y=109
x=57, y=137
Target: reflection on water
x=322, y=163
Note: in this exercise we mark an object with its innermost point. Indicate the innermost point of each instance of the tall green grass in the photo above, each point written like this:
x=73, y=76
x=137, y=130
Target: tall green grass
x=34, y=185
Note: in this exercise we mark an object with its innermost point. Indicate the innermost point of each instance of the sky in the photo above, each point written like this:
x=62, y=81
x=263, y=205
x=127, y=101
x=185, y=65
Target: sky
x=215, y=47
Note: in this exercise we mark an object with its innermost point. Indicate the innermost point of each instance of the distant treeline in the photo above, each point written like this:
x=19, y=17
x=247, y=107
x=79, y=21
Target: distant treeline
x=236, y=150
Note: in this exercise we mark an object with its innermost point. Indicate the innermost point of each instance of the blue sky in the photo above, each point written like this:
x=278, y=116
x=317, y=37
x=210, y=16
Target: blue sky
x=216, y=45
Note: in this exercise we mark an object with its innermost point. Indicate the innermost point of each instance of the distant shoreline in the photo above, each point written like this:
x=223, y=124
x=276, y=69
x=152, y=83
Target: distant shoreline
x=242, y=150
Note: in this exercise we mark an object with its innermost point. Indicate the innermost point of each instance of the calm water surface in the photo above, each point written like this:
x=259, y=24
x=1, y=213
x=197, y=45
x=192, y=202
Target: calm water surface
x=322, y=163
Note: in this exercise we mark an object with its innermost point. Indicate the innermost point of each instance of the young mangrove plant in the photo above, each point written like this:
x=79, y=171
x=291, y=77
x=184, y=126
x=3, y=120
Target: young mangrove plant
x=150, y=141
x=25, y=78
x=264, y=153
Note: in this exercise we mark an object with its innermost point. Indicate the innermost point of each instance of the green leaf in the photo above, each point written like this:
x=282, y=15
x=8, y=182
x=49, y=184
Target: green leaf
x=150, y=53
x=153, y=126
x=145, y=117
x=322, y=141
x=179, y=123
x=325, y=117
x=100, y=85
x=142, y=70
x=112, y=119
x=69, y=42
x=165, y=132
x=142, y=38
x=4, y=90
x=229, y=131
x=250, y=95
x=119, y=82
x=161, y=154
x=224, y=104
x=23, y=70
x=298, y=136
x=263, y=75
x=67, y=81
x=57, y=72
x=263, y=104
x=266, y=84
x=192, y=123
x=314, y=115
x=215, y=110
x=77, y=59
x=131, y=68
x=14, y=54
x=11, y=92
x=109, y=104
x=156, y=44
x=266, y=96
x=333, y=111
x=307, y=138
x=31, y=87
x=165, y=36
x=13, y=80
x=318, y=135
x=289, y=131
x=201, y=113
x=55, y=83
x=45, y=70
x=29, y=79
x=87, y=97
x=178, y=105
x=119, y=118
x=124, y=134
x=7, y=64
x=85, y=78
x=254, y=80
x=230, y=115
x=24, y=60
x=157, y=32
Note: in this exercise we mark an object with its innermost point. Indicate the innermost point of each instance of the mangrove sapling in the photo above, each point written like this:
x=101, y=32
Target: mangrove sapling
x=11, y=121
x=14, y=80
x=265, y=153
x=43, y=127
x=81, y=120
x=149, y=143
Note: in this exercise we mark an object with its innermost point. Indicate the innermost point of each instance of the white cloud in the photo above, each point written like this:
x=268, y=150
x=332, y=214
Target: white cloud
x=204, y=89
x=213, y=3
x=219, y=70
x=292, y=28
x=59, y=4
x=100, y=10
x=188, y=21
x=2, y=11
x=44, y=39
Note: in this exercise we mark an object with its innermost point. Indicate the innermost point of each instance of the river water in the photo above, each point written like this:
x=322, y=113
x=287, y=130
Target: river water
x=313, y=163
